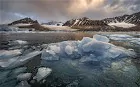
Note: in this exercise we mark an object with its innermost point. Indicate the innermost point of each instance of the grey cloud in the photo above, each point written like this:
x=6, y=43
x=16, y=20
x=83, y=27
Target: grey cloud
x=62, y=10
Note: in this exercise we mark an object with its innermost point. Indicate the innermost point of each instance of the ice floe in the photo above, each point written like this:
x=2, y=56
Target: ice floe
x=42, y=73
x=101, y=38
x=120, y=37
x=9, y=53
x=24, y=76
x=96, y=49
x=18, y=42
x=18, y=61
x=124, y=37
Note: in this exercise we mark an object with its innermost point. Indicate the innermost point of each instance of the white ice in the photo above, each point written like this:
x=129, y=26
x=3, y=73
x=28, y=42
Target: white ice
x=24, y=76
x=18, y=61
x=18, y=42
x=22, y=24
x=69, y=49
x=120, y=37
x=42, y=73
x=94, y=49
x=101, y=38
x=9, y=53
x=124, y=37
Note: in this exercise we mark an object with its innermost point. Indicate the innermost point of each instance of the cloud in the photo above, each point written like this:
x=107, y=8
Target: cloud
x=62, y=10
x=81, y=6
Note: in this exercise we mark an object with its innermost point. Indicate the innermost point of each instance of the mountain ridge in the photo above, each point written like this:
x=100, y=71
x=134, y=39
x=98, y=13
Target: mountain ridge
x=28, y=23
x=119, y=23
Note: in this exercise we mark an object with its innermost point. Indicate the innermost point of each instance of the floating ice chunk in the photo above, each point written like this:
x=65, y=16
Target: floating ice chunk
x=24, y=76
x=9, y=53
x=135, y=41
x=55, y=48
x=89, y=50
x=96, y=46
x=69, y=49
x=18, y=61
x=42, y=73
x=18, y=42
x=23, y=84
x=120, y=37
x=85, y=40
x=51, y=53
x=101, y=38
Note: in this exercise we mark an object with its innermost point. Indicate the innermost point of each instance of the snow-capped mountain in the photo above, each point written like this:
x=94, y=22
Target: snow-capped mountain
x=84, y=22
x=129, y=19
x=27, y=23
x=120, y=23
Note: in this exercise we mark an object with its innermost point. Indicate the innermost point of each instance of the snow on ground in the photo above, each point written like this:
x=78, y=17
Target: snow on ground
x=75, y=22
x=42, y=73
x=96, y=49
x=22, y=24
x=122, y=24
x=59, y=28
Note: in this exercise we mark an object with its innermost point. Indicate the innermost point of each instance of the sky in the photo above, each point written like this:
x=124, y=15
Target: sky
x=63, y=10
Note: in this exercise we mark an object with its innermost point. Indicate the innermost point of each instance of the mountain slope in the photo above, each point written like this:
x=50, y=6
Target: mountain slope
x=133, y=19
x=120, y=23
x=28, y=23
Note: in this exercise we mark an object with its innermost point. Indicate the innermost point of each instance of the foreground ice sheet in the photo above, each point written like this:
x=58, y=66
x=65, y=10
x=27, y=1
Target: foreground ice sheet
x=9, y=53
x=96, y=51
x=17, y=61
x=42, y=73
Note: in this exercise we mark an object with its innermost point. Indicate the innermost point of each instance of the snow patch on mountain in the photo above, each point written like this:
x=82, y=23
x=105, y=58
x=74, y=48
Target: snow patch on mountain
x=122, y=24
x=22, y=24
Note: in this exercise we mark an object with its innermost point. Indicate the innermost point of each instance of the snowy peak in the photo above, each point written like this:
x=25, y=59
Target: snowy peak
x=24, y=21
x=28, y=23
x=119, y=23
x=129, y=19
x=84, y=22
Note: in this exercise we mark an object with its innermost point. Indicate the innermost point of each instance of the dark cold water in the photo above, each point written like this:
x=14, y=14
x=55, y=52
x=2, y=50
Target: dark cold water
x=67, y=72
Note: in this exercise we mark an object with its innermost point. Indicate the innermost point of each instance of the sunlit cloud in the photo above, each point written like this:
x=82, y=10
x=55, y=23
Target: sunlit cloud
x=80, y=6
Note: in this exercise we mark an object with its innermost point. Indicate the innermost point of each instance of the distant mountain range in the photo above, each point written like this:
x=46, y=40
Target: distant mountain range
x=28, y=23
x=120, y=23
